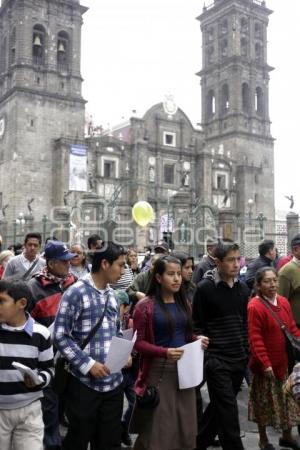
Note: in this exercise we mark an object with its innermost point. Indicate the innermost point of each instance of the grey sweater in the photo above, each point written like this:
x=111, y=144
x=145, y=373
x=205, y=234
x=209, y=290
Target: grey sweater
x=15, y=267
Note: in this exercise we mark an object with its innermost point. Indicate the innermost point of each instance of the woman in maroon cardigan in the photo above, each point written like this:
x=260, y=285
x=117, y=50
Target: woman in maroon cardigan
x=163, y=323
x=268, y=403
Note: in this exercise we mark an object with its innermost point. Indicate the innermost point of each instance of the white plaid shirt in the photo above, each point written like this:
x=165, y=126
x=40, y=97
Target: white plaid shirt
x=80, y=308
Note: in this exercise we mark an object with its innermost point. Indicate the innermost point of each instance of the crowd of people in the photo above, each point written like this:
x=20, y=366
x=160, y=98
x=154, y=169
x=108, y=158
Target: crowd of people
x=66, y=304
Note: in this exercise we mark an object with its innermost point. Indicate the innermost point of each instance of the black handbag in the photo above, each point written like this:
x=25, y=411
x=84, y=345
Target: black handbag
x=150, y=399
x=292, y=342
x=293, y=348
x=62, y=365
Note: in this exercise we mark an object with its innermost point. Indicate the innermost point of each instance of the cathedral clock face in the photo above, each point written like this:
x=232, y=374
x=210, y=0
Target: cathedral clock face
x=2, y=126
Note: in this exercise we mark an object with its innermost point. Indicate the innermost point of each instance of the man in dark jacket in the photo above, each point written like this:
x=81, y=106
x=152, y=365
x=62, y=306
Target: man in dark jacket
x=47, y=288
x=220, y=312
x=267, y=255
x=207, y=262
x=139, y=287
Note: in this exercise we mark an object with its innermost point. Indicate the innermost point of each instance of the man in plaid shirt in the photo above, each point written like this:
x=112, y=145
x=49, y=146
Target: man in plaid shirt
x=94, y=398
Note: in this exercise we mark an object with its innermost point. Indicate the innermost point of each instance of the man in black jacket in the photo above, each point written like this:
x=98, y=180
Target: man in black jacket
x=220, y=312
x=207, y=262
x=267, y=255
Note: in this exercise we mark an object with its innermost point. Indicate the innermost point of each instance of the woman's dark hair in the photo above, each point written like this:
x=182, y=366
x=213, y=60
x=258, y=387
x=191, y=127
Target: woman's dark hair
x=18, y=248
x=187, y=286
x=108, y=251
x=16, y=289
x=183, y=257
x=92, y=240
x=260, y=275
x=154, y=291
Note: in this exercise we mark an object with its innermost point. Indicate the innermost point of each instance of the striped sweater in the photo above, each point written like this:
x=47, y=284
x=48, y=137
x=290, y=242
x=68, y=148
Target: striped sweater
x=31, y=346
x=220, y=312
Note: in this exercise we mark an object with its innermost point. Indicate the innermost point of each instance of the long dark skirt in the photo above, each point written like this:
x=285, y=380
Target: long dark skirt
x=172, y=425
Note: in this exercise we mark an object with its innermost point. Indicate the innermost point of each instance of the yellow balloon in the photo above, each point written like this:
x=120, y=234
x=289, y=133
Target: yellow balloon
x=142, y=213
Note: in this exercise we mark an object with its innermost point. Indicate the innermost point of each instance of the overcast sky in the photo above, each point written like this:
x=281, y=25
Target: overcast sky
x=136, y=51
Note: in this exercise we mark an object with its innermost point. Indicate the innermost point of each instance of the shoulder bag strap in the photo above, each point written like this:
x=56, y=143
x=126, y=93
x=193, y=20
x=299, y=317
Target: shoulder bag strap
x=275, y=316
x=28, y=272
x=95, y=328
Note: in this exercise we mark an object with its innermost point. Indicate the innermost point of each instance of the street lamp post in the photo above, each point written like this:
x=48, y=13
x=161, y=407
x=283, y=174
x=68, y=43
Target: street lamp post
x=14, y=231
x=170, y=193
x=20, y=221
x=250, y=209
x=44, y=220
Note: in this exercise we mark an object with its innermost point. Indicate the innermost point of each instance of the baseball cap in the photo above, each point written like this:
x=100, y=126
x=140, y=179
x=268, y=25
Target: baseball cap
x=295, y=240
x=162, y=245
x=58, y=250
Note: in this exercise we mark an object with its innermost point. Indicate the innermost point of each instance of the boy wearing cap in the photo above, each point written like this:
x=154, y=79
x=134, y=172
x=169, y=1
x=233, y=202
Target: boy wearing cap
x=49, y=284
x=47, y=288
x=289, y=279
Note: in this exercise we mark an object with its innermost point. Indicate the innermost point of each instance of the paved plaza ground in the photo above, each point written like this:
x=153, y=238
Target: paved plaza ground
x=249, y=429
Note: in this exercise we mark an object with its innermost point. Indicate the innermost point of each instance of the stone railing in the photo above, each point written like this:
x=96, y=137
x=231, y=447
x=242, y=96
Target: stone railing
x=211, y=5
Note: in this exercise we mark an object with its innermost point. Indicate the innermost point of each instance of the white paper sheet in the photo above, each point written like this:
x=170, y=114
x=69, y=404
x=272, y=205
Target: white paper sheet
x=190, y=365
x=128, y=334
x=26, y=370
x=119, y=351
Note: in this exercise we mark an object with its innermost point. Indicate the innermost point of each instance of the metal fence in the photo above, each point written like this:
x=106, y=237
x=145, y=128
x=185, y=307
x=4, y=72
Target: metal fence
x=247, y=235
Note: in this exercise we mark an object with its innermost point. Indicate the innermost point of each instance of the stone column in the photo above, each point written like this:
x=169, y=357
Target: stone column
x=4, y=233
x=292, y=225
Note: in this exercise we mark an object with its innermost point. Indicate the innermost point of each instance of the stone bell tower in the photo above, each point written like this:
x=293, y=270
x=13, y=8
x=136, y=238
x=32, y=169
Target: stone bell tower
x=235, y=96
x=40, y=96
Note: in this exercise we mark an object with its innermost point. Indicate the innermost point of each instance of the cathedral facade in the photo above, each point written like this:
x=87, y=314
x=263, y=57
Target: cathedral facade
x=200, y=181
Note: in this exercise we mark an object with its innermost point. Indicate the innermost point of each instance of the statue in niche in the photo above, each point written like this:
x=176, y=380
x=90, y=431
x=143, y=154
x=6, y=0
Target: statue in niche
x=90, y=126
x=29, y=207
x=3, y=210
x=182, y=232
x=66, y=195
x=151, y=174
x=291, y=199
x=151, y=234
x=92, y=182
x=226, y=197
x=185, y=179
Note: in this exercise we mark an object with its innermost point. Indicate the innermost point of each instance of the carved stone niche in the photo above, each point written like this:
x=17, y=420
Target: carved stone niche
x=61, y=215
